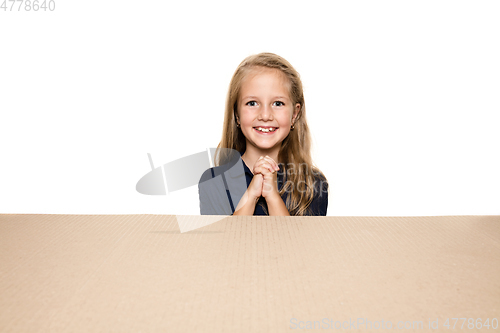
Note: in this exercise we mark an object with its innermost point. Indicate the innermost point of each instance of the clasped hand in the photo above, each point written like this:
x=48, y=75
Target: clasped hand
x=264, y=182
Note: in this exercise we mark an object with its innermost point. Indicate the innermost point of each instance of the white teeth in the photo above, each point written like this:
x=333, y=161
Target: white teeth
x=272, y=129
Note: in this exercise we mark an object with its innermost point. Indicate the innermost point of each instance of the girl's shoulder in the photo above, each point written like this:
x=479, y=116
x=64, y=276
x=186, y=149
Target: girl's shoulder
x=213, y=172
x=233, y=168
x=320, y=181
x=317, y=174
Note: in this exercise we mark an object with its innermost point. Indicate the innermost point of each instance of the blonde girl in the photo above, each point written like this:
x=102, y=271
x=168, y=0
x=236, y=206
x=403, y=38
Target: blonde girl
x=265, y=121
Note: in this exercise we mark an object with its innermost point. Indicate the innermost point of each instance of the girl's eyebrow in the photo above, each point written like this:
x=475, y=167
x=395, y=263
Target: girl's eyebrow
x=255, y=97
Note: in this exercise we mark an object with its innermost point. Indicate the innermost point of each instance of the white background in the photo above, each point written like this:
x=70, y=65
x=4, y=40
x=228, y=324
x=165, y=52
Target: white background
x=402, y=100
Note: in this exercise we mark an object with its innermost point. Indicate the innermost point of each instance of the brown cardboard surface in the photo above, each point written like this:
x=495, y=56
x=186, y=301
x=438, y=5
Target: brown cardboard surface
x=138, y=273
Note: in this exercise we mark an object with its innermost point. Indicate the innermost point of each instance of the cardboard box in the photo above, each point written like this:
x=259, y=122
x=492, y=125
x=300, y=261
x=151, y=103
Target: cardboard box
x=138, y=273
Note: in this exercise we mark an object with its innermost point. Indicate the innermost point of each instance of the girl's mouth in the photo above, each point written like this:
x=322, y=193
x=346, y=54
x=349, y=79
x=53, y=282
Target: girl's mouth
x=265, y=130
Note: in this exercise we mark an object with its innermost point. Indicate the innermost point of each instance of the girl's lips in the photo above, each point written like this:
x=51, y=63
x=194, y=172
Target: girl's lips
x=265, y=133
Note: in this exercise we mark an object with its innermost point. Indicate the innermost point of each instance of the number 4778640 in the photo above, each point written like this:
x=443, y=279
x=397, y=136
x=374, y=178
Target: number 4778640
x=28, y=5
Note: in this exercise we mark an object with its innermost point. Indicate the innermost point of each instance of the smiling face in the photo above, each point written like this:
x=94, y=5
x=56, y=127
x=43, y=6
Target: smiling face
x=265, y=110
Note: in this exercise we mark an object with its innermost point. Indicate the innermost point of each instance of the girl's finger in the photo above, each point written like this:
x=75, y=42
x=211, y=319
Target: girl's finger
x=263, y=168
x=270, y=160
x=266, y=168
x=273, y=163
x=269, y=164
x=261, y=161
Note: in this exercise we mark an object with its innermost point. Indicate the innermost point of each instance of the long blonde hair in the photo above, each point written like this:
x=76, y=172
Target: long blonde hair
x=295, y=148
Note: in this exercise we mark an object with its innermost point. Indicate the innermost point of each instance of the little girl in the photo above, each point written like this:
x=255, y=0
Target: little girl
x=265, y=122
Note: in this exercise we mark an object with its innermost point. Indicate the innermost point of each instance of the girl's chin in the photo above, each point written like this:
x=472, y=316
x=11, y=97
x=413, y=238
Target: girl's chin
x=264, y=145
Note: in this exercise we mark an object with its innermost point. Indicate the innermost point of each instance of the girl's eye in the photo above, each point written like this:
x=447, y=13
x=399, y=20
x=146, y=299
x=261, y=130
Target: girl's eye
x=252, y=103
x=279, y=103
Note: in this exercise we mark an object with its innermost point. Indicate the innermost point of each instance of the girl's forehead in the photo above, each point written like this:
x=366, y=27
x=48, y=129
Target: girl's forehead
x=259, y=72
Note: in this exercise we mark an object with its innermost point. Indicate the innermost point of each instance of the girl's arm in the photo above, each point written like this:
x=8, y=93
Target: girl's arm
x=246, y=206
x=276, y=206
x=247, y=203
x=267, y=167
x=319, y=205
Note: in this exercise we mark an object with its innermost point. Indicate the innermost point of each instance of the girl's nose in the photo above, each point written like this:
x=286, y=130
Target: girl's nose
x=266, y=112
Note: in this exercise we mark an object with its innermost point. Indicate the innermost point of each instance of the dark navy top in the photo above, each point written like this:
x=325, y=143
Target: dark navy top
x=214, y=202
